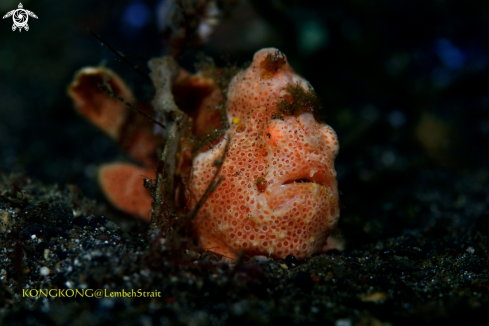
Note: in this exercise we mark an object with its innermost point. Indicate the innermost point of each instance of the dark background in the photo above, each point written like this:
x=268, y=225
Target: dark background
x=404, y=83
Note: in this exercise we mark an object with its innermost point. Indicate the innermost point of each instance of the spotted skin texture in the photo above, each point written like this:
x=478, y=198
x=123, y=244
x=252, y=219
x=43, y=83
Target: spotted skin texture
x=279, y=195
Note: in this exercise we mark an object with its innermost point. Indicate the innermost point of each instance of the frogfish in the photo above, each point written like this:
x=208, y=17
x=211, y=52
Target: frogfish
x=259, y=129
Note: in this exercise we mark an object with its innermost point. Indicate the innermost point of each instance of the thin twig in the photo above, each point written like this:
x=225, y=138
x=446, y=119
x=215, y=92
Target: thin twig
x=209, y=190
x=213, y=184
x=121, y=55
x=105, y=86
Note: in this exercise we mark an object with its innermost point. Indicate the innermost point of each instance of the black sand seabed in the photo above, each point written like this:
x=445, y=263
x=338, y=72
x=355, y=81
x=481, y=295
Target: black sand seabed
x=55, y=238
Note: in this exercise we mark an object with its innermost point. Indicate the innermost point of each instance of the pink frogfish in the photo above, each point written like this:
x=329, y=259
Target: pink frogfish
x=278, y=194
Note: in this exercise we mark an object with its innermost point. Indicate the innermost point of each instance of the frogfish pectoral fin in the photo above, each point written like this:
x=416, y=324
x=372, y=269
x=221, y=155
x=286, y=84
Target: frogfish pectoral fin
x=123, y=186
x=93, y=92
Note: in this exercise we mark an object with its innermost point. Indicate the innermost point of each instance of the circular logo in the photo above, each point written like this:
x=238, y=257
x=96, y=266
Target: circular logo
x=20, y=18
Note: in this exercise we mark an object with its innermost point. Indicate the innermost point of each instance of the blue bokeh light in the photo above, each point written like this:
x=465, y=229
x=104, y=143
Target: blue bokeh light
x=449, y=54
x=396, y=118
x=136, y=14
